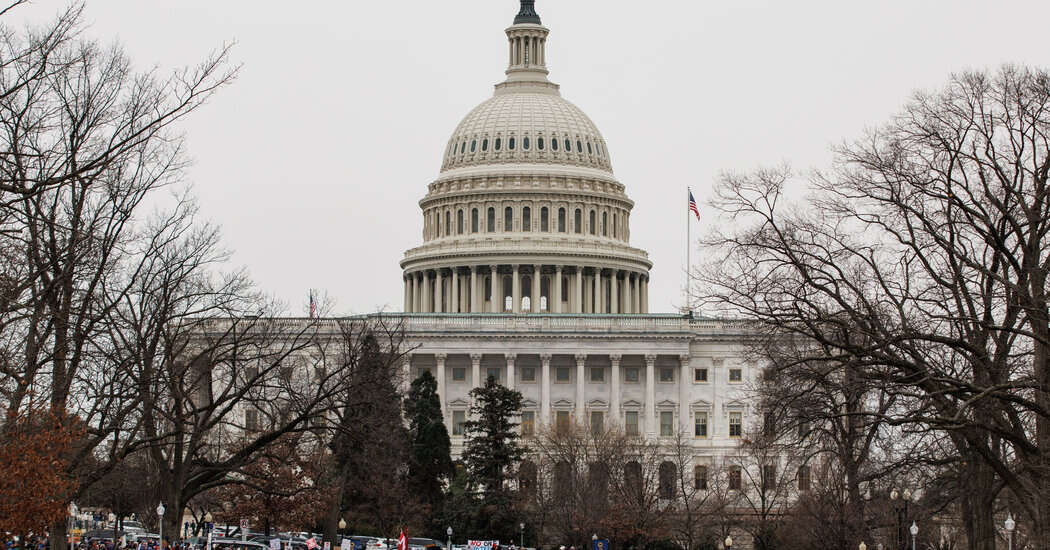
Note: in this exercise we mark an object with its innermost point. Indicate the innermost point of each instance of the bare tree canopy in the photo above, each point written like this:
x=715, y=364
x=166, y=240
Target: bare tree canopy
x=920, y=258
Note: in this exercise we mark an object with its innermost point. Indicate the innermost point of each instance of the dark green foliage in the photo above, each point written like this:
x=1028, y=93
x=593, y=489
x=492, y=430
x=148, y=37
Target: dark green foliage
x=431, y=459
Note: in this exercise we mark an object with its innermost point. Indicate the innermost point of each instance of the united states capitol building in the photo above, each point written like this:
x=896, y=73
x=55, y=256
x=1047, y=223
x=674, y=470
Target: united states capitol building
x=526, y=273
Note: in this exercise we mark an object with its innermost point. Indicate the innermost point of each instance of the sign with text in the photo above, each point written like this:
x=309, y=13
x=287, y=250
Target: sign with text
x=275, y=544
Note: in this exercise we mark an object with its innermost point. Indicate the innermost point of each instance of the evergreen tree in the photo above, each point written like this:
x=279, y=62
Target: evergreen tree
x=431, y=460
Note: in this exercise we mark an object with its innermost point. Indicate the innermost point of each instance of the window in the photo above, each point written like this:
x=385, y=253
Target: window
x=579, y=146
x=459, y=222
x=554, y=144
x=544, y=219
x=568, y=146
x=492, y=373
x=463, y=148
x=525, y=143
x=614, y=226
x=285, y=373
x=769, y=424
x=448, y=223
x=734, y=478
x=605, y=224
x=251, y=420
x=421, y=371
x=597, y=423
x=564, y=293
x=528, y=374
x=590, y=226
x=631, y=422
x=597, y=374
x=667, y=484
x=499, y=142
x=666, y=423
x=251, y=373
x=630, y=375
x=459, y=418
x=474, y=220
x=735, y=424
x=666, y=374
x=803, y=478
x=561, y=220
x=459, y=374
x=528, y=423
x=736, y=375
x=769, y=477
x=485, y=144
x=526, y=219
x=561, y=421
x=490, y=223
x=473, y=145
x=700, y=425
x=803, y=428
x=508, y=219
x=561, y=374
x=527, y=476
x=589, y=150
x=700, y=478
x=539, y=143
x=699, y=375
x=578, y=219
x=510, y=144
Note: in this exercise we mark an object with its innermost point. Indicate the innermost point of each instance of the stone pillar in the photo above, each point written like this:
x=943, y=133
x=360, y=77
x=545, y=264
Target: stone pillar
x=407, y=302
x=650, y=395
x=577, y=303
x=510, y=370
x=645, y=294
x=545, y=389
x=453, y=305
x=581, y=361
x=534, y=302
x=497, y=301
x=628, y=305
x=442, y=394
x=427, y=302
x=557, y=292
x=599, y=291
x=637, y=294
x=475, y=371
x=414, y=292
x=614, y=292
x=474, y=289
x=685, y=381
x=439, y=292
x=588, y=295
x=516, y=288
x=614, y=393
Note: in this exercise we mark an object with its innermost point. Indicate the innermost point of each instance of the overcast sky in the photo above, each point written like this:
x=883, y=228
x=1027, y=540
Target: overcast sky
x=314, y=160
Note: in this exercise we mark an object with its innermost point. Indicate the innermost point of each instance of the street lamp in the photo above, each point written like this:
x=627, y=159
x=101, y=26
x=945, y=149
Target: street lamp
x=729, y=542
x=72, y=522
x=522, y=525
x=207, y=525
x=449, y=533
x=1010, y=524
x=862, y=546
x=900, y=504
x=160, y=519
x=914, y=531
x=342, y=527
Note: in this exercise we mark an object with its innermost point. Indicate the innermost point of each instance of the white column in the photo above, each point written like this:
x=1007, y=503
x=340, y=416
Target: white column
x=599, y=291
x=474, y=289
x=614, y=394
x=516, y=289
x=497, y=301
x=581, y=360
x=536, y=289
x=475, y=371
x=637, y=293
x=415, y=293
x=650, y=395
x=510, y=370
x=440, y=358
x=645, y=294
x=578, y=298
x=614, y=293
x=685, y=381
x=407, y=303
x=556, y=307
x=439, y=292
x=545, y=389
x=453, y=304
x=427, y=302
x=628, y=305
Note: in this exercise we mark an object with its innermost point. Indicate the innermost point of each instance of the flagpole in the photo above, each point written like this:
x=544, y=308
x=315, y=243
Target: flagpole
x=688, y=253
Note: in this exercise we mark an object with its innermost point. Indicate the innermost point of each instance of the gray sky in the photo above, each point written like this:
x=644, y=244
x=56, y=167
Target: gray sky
x=314, y=160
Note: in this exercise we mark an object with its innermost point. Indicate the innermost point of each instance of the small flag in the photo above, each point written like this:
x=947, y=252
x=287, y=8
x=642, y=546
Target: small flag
x=402, y=541
x=692, y=205
x=313, y=305
x=600, y=544
x=310, y=542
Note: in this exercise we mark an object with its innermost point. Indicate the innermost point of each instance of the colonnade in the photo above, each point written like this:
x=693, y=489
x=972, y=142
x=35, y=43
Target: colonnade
x=531, y=288
x=648, y=413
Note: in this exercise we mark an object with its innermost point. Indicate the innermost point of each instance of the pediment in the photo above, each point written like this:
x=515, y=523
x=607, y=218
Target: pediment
x=632, y=405
x=735, y=405
x=459, y=403
x=563, y=404
x=529, y=404
x=666, y=404
x=701, y=405
x=597, y=404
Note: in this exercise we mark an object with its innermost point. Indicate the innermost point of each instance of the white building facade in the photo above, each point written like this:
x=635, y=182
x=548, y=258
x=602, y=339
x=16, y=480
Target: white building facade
x=526, y=274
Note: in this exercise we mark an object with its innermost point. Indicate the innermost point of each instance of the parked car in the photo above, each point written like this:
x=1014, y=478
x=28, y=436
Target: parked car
x=132, y=526
x=236, y=544
x=424, y=544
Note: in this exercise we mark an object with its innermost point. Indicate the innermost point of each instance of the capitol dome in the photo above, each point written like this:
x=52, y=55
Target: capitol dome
x=526, y=215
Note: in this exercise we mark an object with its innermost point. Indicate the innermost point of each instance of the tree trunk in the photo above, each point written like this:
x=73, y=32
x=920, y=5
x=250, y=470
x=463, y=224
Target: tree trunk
x=59, y=534
x=978, y=503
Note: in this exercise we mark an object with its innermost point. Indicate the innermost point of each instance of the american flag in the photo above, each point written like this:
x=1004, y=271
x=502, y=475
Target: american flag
x=313, y=305
x=692, y=205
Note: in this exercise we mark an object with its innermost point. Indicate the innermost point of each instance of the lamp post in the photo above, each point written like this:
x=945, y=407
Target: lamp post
x=729, y=542
x=862, y=546
x=72, y=522
x=900, y=504
x=914, y=531
x=160, y=520
x=342, y=527
x=207, y=525
x=522, y=545
x=449, y=533
x=1010, y=525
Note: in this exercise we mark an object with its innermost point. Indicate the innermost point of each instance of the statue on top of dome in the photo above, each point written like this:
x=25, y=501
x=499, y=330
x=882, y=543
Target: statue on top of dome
x=528, y=13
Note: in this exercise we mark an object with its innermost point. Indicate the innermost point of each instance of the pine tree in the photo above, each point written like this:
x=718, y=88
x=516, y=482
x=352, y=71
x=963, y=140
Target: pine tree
x=431, y=448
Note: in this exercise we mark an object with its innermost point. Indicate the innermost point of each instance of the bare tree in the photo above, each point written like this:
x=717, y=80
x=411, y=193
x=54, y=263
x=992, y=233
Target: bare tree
x=926, y=245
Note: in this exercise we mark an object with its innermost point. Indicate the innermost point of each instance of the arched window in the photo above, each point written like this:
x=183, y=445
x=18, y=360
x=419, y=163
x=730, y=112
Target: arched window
x=544, y=220
x=667, y=484
x=526, y=476
x=590, y=225
x=589, y=150
x=561, y=220
x=474, y=144
x=510, y=144
x=605, y=224
x=526, y=219
x=508, y=219
x=578, y=219
x=459, y=222
x=700, y=478
x=499, y=142
x=484, y=145
x=448, y=223
x=431, y=218
x=579, y=146
x=554, y=144
x=568, y=146
x=474, y=220
x=615, y=232
x=525, y=143
x=490, y=222
x=539, y=143
x=632, y=479
x=463, y=148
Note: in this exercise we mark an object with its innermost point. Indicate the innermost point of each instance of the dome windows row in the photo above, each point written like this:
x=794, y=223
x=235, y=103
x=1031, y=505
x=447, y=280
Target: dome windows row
x=557, y=146
x=604, y=222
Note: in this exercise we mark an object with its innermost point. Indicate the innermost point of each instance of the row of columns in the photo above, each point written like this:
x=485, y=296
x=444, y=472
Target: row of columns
x=650, y=413
x=588, y=287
